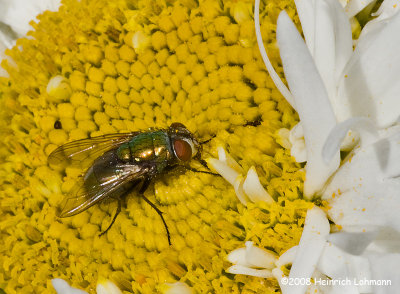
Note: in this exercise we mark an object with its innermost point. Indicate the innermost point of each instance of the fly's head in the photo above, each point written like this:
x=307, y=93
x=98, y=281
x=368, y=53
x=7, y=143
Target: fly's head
x=184, y=144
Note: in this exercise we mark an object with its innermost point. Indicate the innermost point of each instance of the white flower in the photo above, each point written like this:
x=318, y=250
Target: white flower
x=330, y=82
x=107, y=287
x=338, y=91
x=364, y=194
x=178, y=288
x=62, y=287
x=18, y=13
x=252, y=261
x=246, y=188
x=367, y=181
x=103, y=287
x=347, y=260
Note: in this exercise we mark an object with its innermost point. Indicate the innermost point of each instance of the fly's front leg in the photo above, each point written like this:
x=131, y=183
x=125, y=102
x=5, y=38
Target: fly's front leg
x=201, y=171
x=145, y=185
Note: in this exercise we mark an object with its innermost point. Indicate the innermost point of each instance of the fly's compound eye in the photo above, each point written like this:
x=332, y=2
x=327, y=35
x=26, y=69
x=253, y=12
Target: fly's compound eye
x=183, y=150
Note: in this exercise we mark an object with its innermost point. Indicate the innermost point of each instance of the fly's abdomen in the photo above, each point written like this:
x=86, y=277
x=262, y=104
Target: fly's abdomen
x=108, y=176
x=104, y=170
x=147, y=147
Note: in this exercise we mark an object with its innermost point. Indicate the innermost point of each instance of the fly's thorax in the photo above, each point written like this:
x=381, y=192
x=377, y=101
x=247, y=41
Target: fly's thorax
x=145, y=147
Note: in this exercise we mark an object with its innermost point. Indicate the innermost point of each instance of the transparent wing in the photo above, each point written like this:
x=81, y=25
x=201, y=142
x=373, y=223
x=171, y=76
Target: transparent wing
x=83, y=152
x=83, y=195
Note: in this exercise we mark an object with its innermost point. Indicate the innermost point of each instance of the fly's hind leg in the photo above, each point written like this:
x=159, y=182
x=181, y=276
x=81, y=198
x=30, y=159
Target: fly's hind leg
x=119, y=197
x=145, y=185
x=113, y=219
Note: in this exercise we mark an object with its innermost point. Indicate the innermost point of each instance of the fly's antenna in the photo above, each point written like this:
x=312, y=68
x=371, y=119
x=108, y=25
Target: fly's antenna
x=208, y=140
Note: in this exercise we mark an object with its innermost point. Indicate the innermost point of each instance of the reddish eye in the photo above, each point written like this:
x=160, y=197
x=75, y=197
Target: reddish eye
x=183, y=150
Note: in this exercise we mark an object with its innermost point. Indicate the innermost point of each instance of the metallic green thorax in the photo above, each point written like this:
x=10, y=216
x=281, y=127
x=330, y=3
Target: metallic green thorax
x=147, y=147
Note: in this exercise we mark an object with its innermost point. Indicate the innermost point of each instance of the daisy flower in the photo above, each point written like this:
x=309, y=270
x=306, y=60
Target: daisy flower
x=335, y=90
x=101, y=67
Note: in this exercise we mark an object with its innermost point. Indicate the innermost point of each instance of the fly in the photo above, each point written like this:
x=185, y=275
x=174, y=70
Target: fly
x=117, y=163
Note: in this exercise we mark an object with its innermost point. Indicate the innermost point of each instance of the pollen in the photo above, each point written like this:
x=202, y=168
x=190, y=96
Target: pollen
x=101, y=67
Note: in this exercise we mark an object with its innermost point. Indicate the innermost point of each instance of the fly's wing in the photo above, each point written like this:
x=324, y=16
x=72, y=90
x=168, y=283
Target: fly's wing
x=82, y=196
x=84, y=152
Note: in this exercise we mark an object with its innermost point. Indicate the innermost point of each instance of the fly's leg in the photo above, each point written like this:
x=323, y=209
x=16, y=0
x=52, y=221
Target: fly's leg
x=119, y=197
x=202, y=162
x=254, y=123
x=113, y=220
x=208, y=140
x=145, y=185
x=201, y=171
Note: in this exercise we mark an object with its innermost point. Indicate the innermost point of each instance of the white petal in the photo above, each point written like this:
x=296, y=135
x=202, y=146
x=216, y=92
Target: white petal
x=107, y=287
x=278, y=274
x=140, y=41
x=387, y=241
x=350, y=141
x=178, y=288
x=287, y=257
x=306, y=11
x=58, y=89
x=362, y=125
x=385, y=267
x=372, y=162
x=7, y=38
x=368, y=206
x=353, y=243
x=339, y=265
x=386, y=10
x=62, y=287
x=284, y=138
x=387, y=132
x=18, y=13
x=343, y=39
x=239, y=191
x=225, y=157
x=324, y=49
x=299, y=150
x=253, y=188
x=355, y=6
x=312, y=242
x=223, y=169
x=259, y=257
x=5, y=42
x=311, y=100
x=242, y=270
x=369, y=86
x=365, y=190
x=238, y=256
x=296, y=133
x=274, y=76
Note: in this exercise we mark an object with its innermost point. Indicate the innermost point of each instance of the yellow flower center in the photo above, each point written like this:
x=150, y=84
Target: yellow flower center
x=123, y=66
